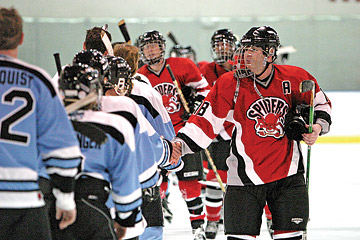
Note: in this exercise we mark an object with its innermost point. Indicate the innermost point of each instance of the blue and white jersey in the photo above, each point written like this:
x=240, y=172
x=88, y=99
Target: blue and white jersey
x=114, y=161
x=153, y=150
x=34, y=127
x=151, y=105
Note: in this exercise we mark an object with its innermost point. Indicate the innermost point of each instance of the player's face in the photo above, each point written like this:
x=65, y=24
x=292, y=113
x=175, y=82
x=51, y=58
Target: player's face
x=254, y=59
x=152, y=50
x=223, y=49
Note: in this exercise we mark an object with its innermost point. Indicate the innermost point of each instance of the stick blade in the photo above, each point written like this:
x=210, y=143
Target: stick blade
x=307, y=85
x=124, y=31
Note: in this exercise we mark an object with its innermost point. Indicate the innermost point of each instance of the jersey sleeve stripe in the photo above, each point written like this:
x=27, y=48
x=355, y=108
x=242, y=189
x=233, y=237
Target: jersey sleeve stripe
x=143, y=101
x=130, y=198
x=72, y=152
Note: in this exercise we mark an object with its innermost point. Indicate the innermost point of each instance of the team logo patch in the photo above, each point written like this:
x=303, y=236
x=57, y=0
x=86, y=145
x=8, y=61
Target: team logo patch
x=297, y=220
x=169, y=96
x=269, y=116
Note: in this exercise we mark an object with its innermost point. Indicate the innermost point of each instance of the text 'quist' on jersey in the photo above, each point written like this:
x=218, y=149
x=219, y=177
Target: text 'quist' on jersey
x=269, y=116
x=170, y=96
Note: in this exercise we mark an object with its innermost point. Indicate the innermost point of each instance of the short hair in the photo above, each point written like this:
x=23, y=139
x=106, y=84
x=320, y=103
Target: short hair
x=129, y=53
x=93, y=39
x=11, y=28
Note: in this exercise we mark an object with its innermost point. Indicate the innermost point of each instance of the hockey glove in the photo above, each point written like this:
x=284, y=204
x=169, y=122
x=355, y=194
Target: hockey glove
x=295, y=124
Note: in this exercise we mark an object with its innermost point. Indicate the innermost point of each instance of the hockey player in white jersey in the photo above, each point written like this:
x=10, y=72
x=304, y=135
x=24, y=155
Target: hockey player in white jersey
x=111, y=167
x=148, y=99
x=121, y=84
x=152, y=103
x=155, y=151
x=34, y=127
x=130, y=54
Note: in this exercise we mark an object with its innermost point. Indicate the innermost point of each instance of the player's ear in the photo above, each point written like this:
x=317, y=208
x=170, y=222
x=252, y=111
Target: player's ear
x=84, y=46
x=21, y=39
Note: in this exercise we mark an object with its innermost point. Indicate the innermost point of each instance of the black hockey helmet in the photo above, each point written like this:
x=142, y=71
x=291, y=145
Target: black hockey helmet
x=119, y=75
x=265, y=37
x=183, y=51
x=95, y=59
x=77, y=81
x=222, y=45
x=152, y=37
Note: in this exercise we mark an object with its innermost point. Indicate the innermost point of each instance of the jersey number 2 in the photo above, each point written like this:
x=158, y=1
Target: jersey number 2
x=16, y=116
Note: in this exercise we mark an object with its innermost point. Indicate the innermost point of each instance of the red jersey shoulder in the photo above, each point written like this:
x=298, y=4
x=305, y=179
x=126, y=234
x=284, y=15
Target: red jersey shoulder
x=143, y=70
x=208, y=71
x=293, y=72
x=202, y=63
x=226, y=85
x=184, y=70
x=292, y=76
x=185, y=63
x=206, y=68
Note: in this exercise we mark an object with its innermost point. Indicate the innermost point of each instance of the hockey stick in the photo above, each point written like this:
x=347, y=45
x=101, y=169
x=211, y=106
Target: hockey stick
x=306, y=86
x=81, y=103
x=172, y=38
x=105, y=39
x=58, y=63
x=124, y=31
x=187, y=109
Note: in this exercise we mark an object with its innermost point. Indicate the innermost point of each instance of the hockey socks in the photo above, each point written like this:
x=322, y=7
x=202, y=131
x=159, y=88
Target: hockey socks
x=214, y=196
x=191, y=191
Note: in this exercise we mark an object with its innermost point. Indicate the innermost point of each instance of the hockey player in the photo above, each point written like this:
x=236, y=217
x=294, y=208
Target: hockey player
x=110, y=167
x=93, y=40
x=265, y=165
x=119, y=77
x=131, y=55
x=149, y=100
x=150, y=103
x=34, y=128
x=222, y=50
x=186, y=51
x=152, y=51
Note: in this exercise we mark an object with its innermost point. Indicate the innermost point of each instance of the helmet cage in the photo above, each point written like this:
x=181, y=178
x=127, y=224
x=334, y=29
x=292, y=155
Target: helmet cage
x=222, y=46
x=149, y=41
x=246, y=63
x=152, y=45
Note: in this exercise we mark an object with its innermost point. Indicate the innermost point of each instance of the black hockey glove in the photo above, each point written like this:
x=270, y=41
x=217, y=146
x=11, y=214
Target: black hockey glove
x=295, y=123
x=151, y=194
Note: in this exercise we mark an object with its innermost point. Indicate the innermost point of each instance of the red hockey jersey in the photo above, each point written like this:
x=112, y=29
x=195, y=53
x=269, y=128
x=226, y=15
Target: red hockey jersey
x=260, y=151
x=186, y=73
x=212, y=72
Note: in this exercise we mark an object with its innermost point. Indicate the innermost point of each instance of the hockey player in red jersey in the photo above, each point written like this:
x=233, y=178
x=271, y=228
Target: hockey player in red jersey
x=222, y=50
x=186, y=51
x=152, y=51
x=265, y=162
